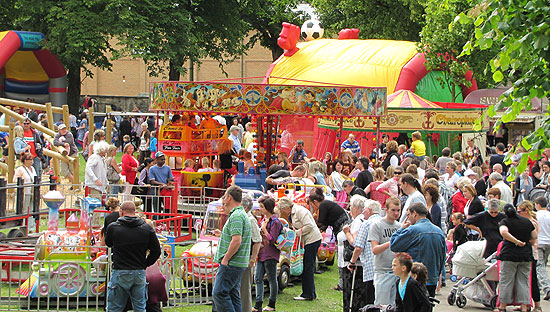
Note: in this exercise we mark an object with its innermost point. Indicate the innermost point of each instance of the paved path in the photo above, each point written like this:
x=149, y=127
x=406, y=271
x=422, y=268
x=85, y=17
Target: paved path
x=470, y=305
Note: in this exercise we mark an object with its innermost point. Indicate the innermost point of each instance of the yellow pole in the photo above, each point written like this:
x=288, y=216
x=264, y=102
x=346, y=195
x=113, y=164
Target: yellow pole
x=49, y=115
x=20, y=118
x=76, y=172
x=39, y=107
x=66, y=116
x=11, y=153
x=91, y=125
x=108, y=124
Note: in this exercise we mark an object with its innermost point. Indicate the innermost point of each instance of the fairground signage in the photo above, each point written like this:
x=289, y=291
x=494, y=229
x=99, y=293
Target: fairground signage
x=233, y=98
x=436, y=120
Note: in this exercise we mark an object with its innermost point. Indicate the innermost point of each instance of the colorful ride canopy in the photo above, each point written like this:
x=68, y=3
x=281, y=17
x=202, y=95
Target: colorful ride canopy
x=241, y=98
x=30, y=72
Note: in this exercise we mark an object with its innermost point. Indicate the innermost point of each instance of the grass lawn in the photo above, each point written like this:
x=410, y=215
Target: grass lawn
x=327, y=299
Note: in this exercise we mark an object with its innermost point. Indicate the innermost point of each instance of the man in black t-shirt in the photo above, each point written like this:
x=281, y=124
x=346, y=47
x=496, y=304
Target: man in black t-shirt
x=487, y=223
x=498, y=158
x=365, y=177
x=298, y=172
x=351, y=189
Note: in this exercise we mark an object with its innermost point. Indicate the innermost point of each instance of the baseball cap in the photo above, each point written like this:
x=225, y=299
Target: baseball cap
x=61, y=126
x=159, y=154
x=469, y=172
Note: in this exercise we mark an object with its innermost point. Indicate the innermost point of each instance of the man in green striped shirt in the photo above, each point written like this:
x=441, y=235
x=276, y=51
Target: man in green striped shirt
x=233, y=253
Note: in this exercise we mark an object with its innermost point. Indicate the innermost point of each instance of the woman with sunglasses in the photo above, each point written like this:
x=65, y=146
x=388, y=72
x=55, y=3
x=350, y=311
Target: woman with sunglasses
x=390, y=187
x=27, y=173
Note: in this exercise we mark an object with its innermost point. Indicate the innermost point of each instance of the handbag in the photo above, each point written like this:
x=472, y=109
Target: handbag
x=112, y=176
x=297, y=257
x=348, y=251
x=285, y=240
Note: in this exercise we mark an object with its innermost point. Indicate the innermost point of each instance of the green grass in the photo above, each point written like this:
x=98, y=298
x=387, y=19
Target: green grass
x=327, y=299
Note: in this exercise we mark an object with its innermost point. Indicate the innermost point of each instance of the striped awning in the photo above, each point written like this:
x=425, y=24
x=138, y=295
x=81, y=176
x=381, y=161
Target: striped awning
x=408, y=99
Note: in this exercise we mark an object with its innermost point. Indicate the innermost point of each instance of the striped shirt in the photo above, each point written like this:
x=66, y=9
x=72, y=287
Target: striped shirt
x=354, y=147
x=237, y=224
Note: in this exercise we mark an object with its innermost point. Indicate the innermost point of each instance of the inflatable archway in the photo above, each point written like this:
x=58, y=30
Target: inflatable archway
x=30, y=72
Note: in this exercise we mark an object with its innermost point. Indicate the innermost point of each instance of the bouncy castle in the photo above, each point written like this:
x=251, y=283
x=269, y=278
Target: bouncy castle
x=28, y=72
x=395, y=65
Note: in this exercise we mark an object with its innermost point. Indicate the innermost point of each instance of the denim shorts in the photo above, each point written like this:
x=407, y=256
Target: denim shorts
x=126, y=284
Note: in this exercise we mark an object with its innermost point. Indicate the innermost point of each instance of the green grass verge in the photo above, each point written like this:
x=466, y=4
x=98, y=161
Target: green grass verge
x=327, y=298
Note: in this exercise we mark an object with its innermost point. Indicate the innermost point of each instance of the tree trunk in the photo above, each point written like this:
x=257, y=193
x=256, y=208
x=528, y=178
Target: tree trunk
x=174, y=70
x=276, y=52
x=73, y=90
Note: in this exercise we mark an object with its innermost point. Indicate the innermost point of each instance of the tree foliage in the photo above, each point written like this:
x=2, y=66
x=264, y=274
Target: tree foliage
x=265, y=19
x=522, y=29
x=169, y=32
x=442, y=42
x=377, y=19
x=77, y=31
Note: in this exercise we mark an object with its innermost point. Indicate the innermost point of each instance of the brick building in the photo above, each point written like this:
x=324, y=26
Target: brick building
x=129, y=77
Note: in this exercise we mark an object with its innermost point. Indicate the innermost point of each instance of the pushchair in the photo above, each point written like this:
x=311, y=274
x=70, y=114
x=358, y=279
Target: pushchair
x=474, y=272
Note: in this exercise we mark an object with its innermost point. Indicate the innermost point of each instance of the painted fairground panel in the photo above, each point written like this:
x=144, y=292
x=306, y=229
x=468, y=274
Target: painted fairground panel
x=435, y=120
x=263, y=99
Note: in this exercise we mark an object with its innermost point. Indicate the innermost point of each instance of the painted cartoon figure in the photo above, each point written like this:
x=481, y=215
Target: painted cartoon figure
x=286, y=101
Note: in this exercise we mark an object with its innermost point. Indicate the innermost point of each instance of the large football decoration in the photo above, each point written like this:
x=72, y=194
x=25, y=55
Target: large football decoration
x=312, y=29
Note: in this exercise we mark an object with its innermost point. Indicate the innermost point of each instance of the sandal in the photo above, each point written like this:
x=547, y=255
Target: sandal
x=268, y=308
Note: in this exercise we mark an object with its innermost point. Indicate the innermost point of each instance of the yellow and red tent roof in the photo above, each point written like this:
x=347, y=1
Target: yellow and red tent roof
x=408, y=99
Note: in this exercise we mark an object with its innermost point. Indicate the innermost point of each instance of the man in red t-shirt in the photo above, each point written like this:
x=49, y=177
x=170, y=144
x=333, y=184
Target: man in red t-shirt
x=33, y=140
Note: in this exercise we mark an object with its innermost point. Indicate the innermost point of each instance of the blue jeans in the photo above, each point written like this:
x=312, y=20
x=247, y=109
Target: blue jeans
x=124, y=284
x=269, y=267
x=308, y=276
x=37, y=164
x=226, y=291
x=114, y=190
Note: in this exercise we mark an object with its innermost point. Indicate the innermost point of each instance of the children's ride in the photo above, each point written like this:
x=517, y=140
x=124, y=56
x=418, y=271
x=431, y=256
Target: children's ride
x=63, y=266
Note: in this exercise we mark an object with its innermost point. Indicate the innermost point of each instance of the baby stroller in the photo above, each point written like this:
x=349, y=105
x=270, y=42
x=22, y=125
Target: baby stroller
x=474, y=272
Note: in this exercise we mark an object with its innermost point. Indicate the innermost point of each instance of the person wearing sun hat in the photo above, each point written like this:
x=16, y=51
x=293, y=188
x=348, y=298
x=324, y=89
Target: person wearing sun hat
x=65, y=139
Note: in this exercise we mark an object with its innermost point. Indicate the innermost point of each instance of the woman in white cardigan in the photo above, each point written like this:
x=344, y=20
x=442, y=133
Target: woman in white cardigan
x=96, y=171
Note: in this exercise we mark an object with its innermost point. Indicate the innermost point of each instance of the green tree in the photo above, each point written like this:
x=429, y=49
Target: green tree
x=265, y=20
x=442, y=42
x=522, y=29
x=77, y=31
x=377, y=19
x=168, y=32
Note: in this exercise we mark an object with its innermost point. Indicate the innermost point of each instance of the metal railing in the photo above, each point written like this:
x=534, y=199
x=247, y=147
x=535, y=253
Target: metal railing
x=72, y=278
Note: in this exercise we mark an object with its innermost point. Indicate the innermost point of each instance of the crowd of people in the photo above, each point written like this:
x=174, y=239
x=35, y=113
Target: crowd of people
x=391, y=214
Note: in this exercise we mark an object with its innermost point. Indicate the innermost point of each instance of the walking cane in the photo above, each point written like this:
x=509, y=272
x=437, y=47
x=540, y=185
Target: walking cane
x=352, y=289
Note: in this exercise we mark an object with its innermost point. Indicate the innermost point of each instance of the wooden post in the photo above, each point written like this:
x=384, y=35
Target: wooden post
x=76, y=173
x=108, y=125
x=91, y=124
x=66, y=116
x=12, y=114
x=11, y=152
x=49, y=115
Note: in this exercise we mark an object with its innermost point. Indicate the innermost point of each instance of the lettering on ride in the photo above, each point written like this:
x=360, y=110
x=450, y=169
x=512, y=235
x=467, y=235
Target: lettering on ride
x=446, y=120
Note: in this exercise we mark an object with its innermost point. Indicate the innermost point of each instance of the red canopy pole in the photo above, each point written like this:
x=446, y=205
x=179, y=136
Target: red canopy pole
x=377, y=145
x=339, y=139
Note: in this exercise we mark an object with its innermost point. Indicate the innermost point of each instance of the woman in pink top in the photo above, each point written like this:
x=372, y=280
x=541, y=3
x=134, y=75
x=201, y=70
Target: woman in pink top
x=129, y=169
x=376, y=194
x=391, y=185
